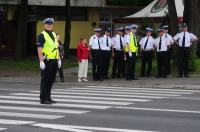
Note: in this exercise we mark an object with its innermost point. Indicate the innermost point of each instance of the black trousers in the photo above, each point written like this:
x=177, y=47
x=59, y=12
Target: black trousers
x=60, y=71
x=162, y=59
x=106, y=63
x=169, y=56
x=147, y=57
x=183, y=61
x=47, y=78
x=96, y=64
x=130, y=66
x=118, y=64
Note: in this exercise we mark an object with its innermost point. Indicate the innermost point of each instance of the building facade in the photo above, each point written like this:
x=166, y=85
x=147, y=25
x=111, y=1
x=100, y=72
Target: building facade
x=85, y=15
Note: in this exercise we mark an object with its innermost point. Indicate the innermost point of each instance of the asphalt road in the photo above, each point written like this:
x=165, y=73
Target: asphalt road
x=99, y=108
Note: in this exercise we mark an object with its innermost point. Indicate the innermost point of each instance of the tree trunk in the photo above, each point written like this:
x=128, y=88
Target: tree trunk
x=173, y=26
x=67, y=27
x=173, y=18
x=22, y=29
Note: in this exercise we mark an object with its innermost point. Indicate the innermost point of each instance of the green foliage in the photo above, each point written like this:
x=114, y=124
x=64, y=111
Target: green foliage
x=192, y=62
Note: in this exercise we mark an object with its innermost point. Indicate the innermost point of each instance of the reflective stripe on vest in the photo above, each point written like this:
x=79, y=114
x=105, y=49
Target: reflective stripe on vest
x=50, y=49
x=133, y=44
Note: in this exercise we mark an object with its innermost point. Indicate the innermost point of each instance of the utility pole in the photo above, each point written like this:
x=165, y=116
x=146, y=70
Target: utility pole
x=67, y=27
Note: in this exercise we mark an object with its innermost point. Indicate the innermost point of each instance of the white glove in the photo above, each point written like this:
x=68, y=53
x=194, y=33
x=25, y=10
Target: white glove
x=129, y=54
x=42, y=65
x=59, y=63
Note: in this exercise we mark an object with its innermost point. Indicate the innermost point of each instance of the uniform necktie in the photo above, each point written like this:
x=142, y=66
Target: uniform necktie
x=107, y=42
x=121, y=45
x=160, y=43
x=145, y=46
x=99, y=44
x=183, y=42
x=135, y=42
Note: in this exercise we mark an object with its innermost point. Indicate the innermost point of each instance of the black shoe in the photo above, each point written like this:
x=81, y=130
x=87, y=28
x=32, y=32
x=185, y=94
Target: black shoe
x=113, y=77
x=46, y=102
x=158, y=76
x=164, y=76
x=52, y=101
x=186, y=75
x=62, y=80
x=107, y=78
x=128, y=79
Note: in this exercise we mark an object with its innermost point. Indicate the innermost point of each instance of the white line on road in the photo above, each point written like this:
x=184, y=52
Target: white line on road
x=124, y=90
x=159, y=110
x=55, y=105
x=69, y=100
x=3, y=129
x=157, y=89
x=43, y=109
x=101, y=95
x=109, y=94
x=63, y=127
x=158, y=93
x=27, y=115
x=15, y=122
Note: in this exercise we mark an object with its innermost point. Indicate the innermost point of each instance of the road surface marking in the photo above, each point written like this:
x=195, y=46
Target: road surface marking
x=55, y=105
x=69, y=100
x=27, y=115
x=3, y=129
x=123, y=90
x=15, y=122
x=43, y=109
x=159, y=110
x=62, y=127
x=118, y=92
x=158, y=89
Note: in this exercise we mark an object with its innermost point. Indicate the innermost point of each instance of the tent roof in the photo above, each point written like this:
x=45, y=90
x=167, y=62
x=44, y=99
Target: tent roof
x=157, y=9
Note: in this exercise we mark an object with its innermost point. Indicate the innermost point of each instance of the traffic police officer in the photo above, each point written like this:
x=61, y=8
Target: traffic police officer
x=161, y=45
x=147, y=47
x=169, y=51
x=184, y=40
x=118, y=54
x=49, y=60
x=96, y=54
x=106, y=43
x=131, y=50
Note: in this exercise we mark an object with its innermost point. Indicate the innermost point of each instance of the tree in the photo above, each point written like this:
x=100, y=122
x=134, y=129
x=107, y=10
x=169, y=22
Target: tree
x=67, y=26
x=191, y=17
x=22, y=29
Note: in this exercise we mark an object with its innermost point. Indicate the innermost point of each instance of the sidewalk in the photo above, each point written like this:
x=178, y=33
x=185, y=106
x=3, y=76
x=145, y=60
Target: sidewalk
x=71, y=79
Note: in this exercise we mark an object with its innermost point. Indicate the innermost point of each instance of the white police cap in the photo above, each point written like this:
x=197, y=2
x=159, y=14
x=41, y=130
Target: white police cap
x=134, y=26
x=97, y=30
x=165, y=27
x=121, y=29
x=148, y=29
x=127, y=27
x=48, y=21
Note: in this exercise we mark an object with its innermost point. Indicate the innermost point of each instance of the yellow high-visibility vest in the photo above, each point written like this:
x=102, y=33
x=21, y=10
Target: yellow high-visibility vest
x=50, y=48
x=133, y=44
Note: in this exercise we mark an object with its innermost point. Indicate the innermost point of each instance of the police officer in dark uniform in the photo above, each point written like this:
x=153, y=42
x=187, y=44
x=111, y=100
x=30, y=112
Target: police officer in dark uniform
x=118, y=54
x=49, y=60
x=184, y=40
x=96, y=54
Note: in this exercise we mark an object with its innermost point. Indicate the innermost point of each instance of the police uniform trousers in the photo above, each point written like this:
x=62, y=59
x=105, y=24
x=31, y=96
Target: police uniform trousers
x=162, y=58
x=183, y=61
x=169, y=54
x=147, y=57
x=106, y=63
x=47, y=78
x=118, y=64
x=130, y=66
x=96, y=64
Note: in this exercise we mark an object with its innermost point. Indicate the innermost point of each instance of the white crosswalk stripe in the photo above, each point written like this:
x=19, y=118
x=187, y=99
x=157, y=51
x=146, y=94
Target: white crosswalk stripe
x=3, y=129
x=15, y=122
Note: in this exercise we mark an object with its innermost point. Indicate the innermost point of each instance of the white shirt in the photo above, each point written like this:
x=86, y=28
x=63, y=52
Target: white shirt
x=104, y=45
x=150, y=43
x=127, y=38
x=164, y=43
x=169, y=38
x=116, y=42
x=94, y=42
x=188, y=38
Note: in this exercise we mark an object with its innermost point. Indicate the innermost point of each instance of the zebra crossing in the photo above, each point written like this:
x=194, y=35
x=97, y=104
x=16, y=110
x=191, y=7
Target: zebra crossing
x=23, y=108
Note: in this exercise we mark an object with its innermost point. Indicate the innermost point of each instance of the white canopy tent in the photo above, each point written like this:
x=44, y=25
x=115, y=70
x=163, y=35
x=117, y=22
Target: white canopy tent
x=157, y=10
